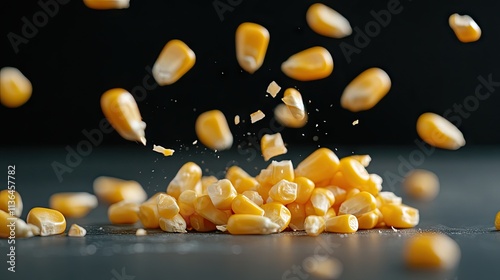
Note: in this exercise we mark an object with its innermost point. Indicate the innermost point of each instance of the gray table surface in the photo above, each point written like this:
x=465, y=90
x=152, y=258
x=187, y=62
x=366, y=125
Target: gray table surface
x=465, y=210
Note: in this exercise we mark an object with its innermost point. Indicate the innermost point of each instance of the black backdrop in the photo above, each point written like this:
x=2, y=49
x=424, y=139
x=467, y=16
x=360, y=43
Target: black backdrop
x=77, y=53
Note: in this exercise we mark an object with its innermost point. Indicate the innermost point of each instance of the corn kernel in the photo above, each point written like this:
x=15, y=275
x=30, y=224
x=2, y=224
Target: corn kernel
x=252, y=41
x=358, y=204
x=222, y=193
x=272, y=145
x=298, y=212
x=314, y=225
x=243, y=205
x=204, y=207
x=318, y=166
x=339, y=180
x=251, y=224
x=201, y=224
x=325, y=268
x=107, y=4
x=188, y=177
x=351, y=192
x=257, y=116
x=373, y=185
x=21, y=229
x=273, y=89
x=174, y=224
x=11, y=202
x=213, y=130
x=112, y=190
x=293, y=101
x=330, y=213
x=167, y=206
x=120, y=109
x=380, y=222
x=263, y=190
x=389, y=198
x=186, y=202
x=439, y=132
x=421, y=184
x=354, y=172
x=278, y=213
x=15, y=88
x=148, y=215
x=327, y=22
x=322, y=199
x=236, y=119
x=205, y=182
x=431, y=251
x=76, y=231
x=173, y=62
x=284, y=192
x=497, y=221
x=310, y=64
x=73, y=204
x=284, y=117
x=465, y=28
x=305, y=188
x=254, y=196
x=275, y=172
x=342, y=224
x=363, y=159
x=162, y=150
x=366, y=90
x=309, y=208
x=368, y=220
x=49, y=221
x=400, y=216
x=123, y=212
x=339, y=193
x=141, y=232
x=240, y=179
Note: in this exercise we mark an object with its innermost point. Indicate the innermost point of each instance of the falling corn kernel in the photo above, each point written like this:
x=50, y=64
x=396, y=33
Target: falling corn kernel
x=314, y=225
x=16, y=227
x=244, y=205
x=213, y=131
x=273, y=88
x=120, y=109
x=319, y=166
x=293, y=100
x=325, y=268
x=256, y=116
x=358, y=204
x=167, y=206
x=465, y=28
x=497, y=221
x=76, y=231
x=355, y=122
x=15, y=88
x=112, y=190
x=11, y=202
x=49, y=221
x=366, y=90
x=252, y=41
x=400, y=216
x=162, y=150
x=188, y=177
x=222, y=193
x=284, y=192
x=204, y=207
x=174, y=61
x=107, y=4
x=251, y=224
x=141, y=232
x=73, y=204
x=285, y=118
x=311, y=64
x=272, y=145
x=439, y=132
x=123, y=212
x=327, y=22
x=431, y=251
x=421, y=184
x=342, y=224
x=174, y=224
x=236, y=119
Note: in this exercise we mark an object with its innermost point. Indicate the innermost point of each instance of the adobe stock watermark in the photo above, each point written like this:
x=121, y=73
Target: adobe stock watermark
x=11, y=220
x=121, y=276
x=48, y=9
x=223, y=6
x=94, y=137
x=362, y=37
x=455, y=114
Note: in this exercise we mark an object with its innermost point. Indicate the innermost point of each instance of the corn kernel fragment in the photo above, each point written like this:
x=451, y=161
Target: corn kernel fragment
x=272, y=145
x=293, y=100
x=162, y=150
x=256, y=116
x=76, y=231
x=273, y=89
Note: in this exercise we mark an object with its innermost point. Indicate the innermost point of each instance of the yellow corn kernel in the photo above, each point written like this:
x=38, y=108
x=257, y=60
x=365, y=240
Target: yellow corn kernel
x=314, y=225
x=497, y=221
x=73, y=204
x=174, y=224
x=213, y=131
x=15, y=88
x=112, y=190
x=252, y=41
x=163, y=150
x=439, y=132
x=251, y=224
x=318, y=166
x=304, y=189
x=284, y=192
x=388, y=198
x=322, y=199
x=298, y=212
x=293, y=100
x=327, y=22
x=363, y=159
x=373, y=185
x=325, y=268
x=339, y=193
x=188, y=177
x=465, y=28
x=275, y=172
x=342, y=224
x=49, y=221
x=368, y=220
x=254, y=196
x=235, y=173
x=186, y=202
x=11, y=202
x=283, y=115
x=16, y=227
x=120, y=109
x=380, y=222
x=273, y=89
x=339, y=180
x=243, y=205
x=431, y=251
x=173, y=62
x=148, y=215
x=330, y=213
x=263, y=191
x=354, y=172
x=366, y=90
x=205, y=182
x=201, y=224
x=309, y=208
x=76, y=231
x=222, y=193
x=278, y=213
x=352, y=192
x=310, y=64
x=400, y=216
x=358, y=204
x=240, y=179
x=204, y=207
x=123, y=212
x=421, y=184
x=167, y=206
x=272, y=145
x=107, y=4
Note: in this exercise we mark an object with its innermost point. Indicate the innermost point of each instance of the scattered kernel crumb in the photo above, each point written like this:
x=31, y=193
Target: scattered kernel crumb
x=161, y=150
x=195, y=142
x=355, y=122
x=325, y=268
x=76, y=231
x=236, y=119
x=257, y=116
x=141, y=232
x=273, y=89
x=221, y=228
x=395, y=230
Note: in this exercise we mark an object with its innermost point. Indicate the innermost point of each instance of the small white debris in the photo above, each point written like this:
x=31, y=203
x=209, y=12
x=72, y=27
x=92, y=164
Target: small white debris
x=236, y=119
x=77, y=231
x=273, y=89
x=141, y=232
x=395, y=230
x=195, y=142
x=161, y=150
x=355, y=122
x=221, y=228
x=257, y=116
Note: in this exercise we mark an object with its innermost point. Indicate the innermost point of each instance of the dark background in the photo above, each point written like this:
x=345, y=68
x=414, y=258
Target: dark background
x=80, y=53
